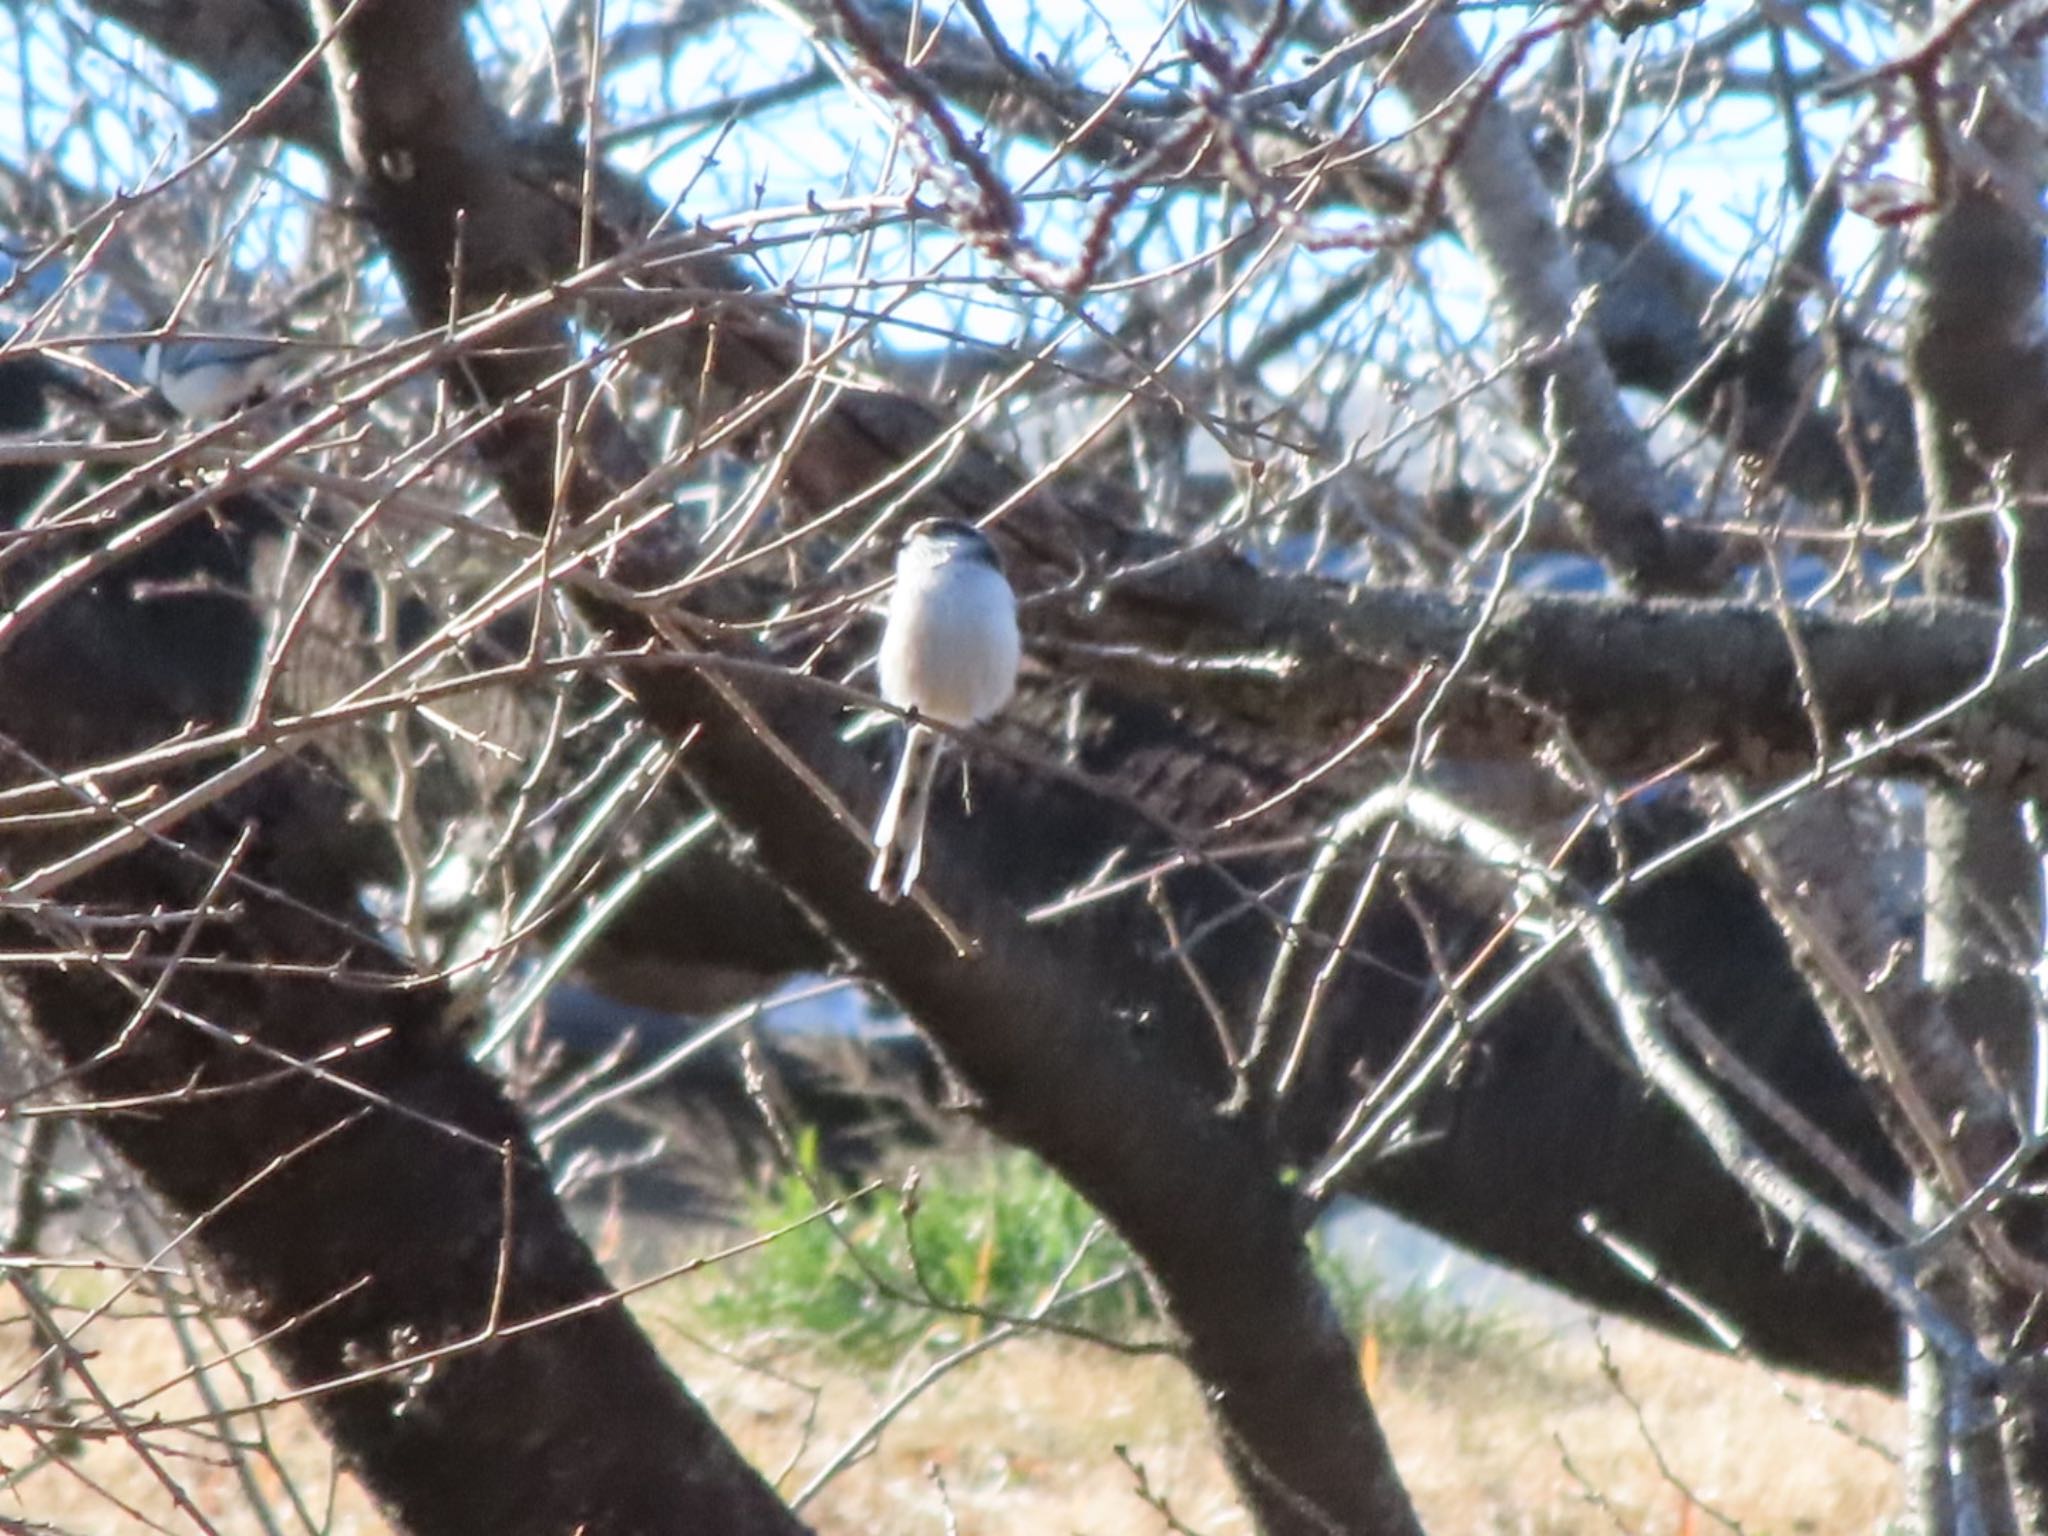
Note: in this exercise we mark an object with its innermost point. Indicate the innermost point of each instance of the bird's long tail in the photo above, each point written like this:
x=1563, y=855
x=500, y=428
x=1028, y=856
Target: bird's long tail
x=899, y=834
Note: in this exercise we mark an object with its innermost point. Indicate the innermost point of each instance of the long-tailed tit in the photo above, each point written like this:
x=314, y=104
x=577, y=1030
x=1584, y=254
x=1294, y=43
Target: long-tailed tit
x=205, y=380
x=949, y=654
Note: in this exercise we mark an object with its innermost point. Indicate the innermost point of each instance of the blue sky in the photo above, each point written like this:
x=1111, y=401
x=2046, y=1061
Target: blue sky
x=1716, y=172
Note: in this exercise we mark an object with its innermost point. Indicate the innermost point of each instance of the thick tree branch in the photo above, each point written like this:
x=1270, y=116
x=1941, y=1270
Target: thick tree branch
x=1670, y=325
x=1978, y=365
x=1636, y=686
x=1635, y=511
x=245, y=47
x=381, y=1205
x=1035, y=1028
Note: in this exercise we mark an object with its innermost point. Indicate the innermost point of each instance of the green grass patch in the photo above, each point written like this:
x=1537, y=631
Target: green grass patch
x=992, y=1234
x=996, y=1233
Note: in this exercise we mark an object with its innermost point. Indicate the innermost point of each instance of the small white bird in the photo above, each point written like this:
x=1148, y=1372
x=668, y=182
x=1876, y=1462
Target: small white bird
x=206, y=380
x=949, y=653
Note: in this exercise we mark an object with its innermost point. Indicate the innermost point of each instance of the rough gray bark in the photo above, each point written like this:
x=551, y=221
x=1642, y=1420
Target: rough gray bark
x=1980, y=377
x=1635, y=512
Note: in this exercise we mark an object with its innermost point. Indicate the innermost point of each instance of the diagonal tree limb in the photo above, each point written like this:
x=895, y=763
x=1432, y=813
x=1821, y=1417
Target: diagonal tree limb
x=1635, y=511
x=244, y=47
x=385, y=1201
x=1032, y=1028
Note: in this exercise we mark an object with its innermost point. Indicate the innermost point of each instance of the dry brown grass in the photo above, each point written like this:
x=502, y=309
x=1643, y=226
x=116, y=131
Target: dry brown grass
x=132, y=1481
x=1024, y=1440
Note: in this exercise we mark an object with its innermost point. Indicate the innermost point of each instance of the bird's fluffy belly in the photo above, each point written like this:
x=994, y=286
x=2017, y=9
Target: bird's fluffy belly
x=950, y=649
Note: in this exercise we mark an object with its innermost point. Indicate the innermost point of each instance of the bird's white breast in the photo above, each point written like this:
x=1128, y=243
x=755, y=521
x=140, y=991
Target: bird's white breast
x=950, y=647
x=206, y=392
x=203, y=386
